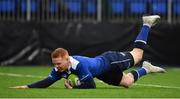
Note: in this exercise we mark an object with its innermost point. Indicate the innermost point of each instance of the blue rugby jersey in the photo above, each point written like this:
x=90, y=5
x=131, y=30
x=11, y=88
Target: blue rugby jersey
x=89, y=66
x=84, y=67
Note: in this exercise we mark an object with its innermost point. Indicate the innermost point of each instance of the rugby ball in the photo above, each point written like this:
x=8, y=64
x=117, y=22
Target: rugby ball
x=73, y=80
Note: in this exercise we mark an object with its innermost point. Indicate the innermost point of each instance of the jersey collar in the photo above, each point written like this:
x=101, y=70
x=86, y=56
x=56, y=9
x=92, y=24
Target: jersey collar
x=74, y=63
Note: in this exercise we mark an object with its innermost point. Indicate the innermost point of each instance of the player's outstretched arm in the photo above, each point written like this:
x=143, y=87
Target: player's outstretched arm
x=44, y=83
x=39, y=84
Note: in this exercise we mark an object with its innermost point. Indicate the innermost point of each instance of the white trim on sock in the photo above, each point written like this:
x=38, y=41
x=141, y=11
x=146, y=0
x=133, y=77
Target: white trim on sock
x=137, y=73
x=147, y=71
x=141, y=41
x=145, y=24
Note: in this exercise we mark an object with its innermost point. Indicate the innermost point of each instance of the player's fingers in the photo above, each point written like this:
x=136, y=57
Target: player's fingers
x=19, y=87
x=15, y=87
x=67, y=85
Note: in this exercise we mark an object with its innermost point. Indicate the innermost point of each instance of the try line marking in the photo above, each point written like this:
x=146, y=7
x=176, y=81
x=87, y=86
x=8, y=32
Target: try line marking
x=34, y=76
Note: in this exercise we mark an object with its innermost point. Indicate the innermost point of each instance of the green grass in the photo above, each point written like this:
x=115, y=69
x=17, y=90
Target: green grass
x=168, y=86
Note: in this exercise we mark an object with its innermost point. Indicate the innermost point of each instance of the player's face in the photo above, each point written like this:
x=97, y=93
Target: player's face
x=61, y=64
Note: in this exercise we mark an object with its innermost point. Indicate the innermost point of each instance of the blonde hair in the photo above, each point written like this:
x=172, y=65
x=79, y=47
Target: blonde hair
x=59, y=52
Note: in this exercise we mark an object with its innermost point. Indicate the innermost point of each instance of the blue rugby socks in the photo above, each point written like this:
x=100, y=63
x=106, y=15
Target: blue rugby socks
x=141, y=39
x=138, y=73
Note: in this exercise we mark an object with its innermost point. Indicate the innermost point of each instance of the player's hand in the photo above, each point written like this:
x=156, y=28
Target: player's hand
x=67, y=84
x=20, y=87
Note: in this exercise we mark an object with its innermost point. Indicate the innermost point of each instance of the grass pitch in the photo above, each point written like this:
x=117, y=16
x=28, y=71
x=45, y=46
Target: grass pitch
x=159, y=85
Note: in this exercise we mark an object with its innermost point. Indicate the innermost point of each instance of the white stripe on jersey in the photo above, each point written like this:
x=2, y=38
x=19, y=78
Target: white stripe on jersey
x=115, y=62
x=84, y=77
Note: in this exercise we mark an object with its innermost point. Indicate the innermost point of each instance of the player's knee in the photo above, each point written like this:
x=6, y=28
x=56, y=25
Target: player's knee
x=127, y=81
x=138, y=58
x=137, y=55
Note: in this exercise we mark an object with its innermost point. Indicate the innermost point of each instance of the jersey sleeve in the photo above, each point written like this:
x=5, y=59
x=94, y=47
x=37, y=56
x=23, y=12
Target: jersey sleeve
x=55, y=75
x=85, y=78
x=52, y=78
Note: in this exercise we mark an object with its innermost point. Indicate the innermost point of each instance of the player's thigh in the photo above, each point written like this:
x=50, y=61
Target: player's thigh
x=112, y=76
x=137, y=55
x=122, y=59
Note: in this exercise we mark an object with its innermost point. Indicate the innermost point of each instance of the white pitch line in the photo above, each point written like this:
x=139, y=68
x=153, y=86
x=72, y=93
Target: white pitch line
x=158, y=86
x=151, y=85
x=34, y=76
x=20, y=75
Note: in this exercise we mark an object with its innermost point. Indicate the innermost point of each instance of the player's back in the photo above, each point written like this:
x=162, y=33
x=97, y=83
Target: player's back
x=95, y=65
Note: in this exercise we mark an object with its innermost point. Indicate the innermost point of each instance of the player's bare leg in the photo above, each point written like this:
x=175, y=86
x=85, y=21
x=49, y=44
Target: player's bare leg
x=129, y=78
x=137, y=52
x=141, y=40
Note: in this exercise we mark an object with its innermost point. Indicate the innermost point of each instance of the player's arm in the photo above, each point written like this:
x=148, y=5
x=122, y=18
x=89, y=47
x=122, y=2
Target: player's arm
x=39, y=84
x=53, y=77
x=86, y=79
x=86, y=83
x=42, y=83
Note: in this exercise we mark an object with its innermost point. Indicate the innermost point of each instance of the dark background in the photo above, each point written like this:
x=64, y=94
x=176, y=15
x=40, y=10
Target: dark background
x=30, y=43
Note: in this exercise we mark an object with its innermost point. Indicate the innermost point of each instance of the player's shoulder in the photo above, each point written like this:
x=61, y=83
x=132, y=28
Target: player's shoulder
x=77, y=57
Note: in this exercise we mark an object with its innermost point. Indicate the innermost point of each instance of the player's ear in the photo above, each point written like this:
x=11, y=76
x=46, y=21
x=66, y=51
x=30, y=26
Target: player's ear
x=67, y=59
